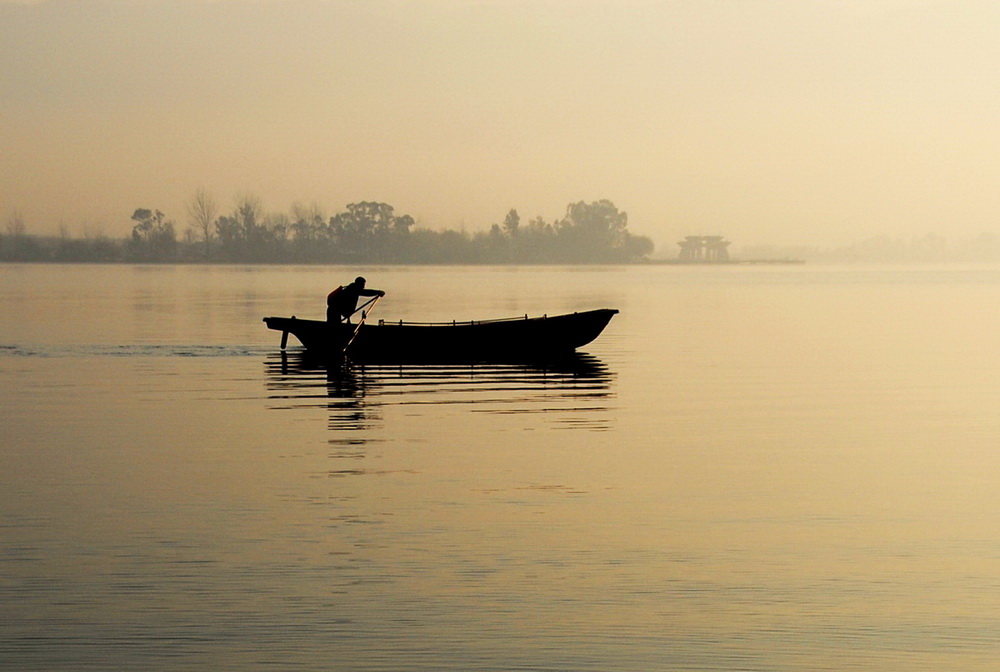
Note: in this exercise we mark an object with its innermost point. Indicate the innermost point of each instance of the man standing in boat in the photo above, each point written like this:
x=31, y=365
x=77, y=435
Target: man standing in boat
x=343, y=301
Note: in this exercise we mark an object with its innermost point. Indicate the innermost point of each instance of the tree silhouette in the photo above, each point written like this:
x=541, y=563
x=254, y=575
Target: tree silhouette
x=201, y=211
x=365, y=232
x=153, y=237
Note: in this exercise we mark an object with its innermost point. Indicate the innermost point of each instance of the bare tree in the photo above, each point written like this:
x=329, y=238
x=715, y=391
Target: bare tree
x=12, y=245
x=201, y=213
x=15, y=225
x=311, y=213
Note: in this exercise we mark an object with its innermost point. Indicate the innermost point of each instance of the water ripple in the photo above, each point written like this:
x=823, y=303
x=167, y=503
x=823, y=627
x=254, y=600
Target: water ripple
x=133, y=350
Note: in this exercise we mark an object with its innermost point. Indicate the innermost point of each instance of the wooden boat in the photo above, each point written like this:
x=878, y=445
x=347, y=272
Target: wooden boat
x=479, y=339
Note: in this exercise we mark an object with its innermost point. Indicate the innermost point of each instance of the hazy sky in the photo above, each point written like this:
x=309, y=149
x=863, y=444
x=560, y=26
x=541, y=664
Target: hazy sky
x=769, y=121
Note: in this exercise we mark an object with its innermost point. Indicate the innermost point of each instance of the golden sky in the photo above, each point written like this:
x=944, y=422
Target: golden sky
x=768, y=121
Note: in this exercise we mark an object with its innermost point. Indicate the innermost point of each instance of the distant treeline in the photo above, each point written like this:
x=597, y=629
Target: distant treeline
x=367, y=232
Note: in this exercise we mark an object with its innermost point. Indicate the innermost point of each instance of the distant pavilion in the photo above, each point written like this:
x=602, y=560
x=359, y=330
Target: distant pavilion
x=704, y=248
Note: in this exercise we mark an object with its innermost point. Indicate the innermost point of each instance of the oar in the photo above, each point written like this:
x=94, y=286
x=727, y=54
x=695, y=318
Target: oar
x=364, y=316
x=366, y=304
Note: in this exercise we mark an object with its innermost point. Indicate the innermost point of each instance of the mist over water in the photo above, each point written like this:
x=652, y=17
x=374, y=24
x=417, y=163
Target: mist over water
x=778, y=468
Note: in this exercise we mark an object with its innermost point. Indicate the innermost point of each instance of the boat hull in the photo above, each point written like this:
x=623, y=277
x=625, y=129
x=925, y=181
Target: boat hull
x=488, y=339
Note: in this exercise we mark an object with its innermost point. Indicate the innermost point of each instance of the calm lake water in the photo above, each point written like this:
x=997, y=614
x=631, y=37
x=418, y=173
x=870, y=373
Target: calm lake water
x=754, y=468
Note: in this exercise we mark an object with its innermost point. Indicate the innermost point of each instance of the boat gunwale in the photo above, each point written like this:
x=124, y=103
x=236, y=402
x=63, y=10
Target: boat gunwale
x=476, y=323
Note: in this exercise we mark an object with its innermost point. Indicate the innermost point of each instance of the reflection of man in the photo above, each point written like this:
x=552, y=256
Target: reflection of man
x=343, y=301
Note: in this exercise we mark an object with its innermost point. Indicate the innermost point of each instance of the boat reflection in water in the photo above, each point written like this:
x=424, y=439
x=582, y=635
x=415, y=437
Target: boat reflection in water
x=575, y=389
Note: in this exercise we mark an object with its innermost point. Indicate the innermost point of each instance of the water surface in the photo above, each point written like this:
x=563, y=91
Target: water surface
x=756, y=468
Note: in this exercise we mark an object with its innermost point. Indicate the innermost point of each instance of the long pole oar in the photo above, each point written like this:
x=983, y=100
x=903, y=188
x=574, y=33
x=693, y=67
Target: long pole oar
x=369, y=302
x=364, y=316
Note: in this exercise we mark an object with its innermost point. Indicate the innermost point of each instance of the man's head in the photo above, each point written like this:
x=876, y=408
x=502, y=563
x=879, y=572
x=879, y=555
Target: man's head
x=360, y=282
